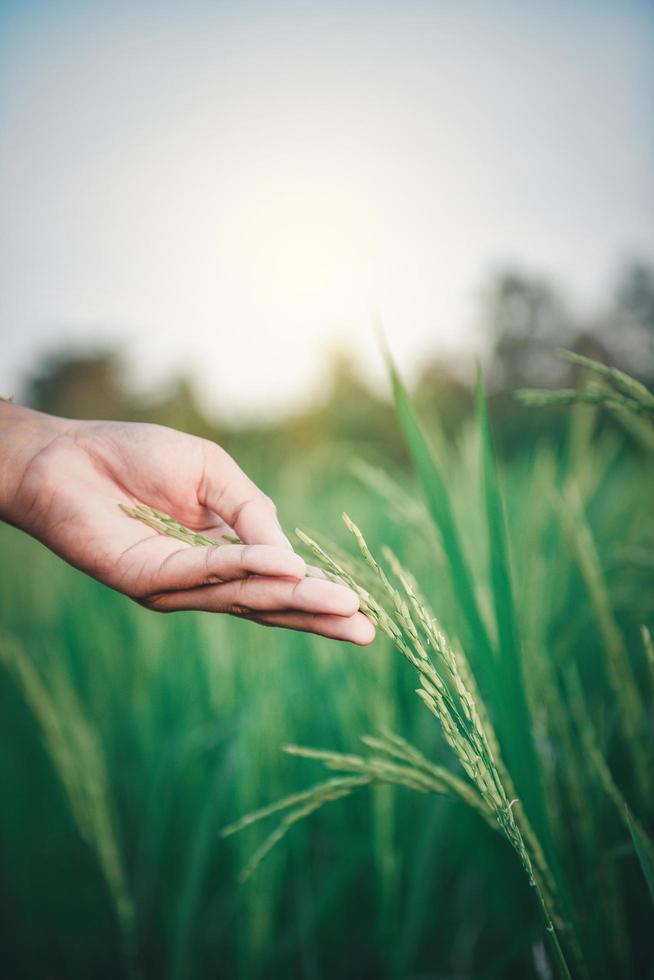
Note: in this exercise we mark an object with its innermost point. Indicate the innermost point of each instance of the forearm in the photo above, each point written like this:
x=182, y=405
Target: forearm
x=24, y=435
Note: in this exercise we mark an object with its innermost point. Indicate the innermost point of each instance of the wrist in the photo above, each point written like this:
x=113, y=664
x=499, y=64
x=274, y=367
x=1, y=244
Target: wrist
x=24, y=435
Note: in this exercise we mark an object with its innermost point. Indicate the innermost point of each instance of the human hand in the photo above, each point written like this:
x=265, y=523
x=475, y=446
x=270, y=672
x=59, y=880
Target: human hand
x=62, y=481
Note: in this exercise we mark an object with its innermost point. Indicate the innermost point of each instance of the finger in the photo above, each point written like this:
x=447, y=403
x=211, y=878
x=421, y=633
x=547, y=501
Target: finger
x=188, y=568
x=316, y=572
x=261, y=594
x=355, y=629
x=226, y=489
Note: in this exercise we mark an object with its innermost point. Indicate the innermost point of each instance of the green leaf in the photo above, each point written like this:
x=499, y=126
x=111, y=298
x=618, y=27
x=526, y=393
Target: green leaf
x=500, y=673
x=481, y=653
x=515, y=723
x=517, y=726
x=644, y=850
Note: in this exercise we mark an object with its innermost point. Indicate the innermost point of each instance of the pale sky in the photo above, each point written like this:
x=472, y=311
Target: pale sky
x=231, y=188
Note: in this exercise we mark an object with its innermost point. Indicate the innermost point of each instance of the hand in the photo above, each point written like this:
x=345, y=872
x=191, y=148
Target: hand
x=62, y=482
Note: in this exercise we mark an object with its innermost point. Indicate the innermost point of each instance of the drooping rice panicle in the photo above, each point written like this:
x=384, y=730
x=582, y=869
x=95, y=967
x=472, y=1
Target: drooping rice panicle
x=165, y=524
x=625, y=384
x=446, y=696
x=399, y=748
x=379, y=769
x=590, y=395
x=289, y=802
x=313, y=803
x=619, y=392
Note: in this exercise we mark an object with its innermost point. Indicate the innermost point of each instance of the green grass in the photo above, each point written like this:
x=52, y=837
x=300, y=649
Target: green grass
x=130, y=739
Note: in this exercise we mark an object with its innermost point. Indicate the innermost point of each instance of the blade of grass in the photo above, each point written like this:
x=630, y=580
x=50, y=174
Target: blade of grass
x=78, y=757
x=508, y=697
x=643, y=846
x=644, y=850
x=520, y=749
x=517, y=725
x=440, y=510
x=632, y=715
x=648, y=646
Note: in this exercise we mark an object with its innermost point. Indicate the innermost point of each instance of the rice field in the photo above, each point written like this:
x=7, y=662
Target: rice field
x=497, y=823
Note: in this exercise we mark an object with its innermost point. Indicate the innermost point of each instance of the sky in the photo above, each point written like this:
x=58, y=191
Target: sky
x=231, y=190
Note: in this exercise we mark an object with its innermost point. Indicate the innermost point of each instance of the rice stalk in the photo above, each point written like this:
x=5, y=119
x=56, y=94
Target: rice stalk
x=592, y=394
x=644, y=850
x=299, y=806
x=439, y=505
x=401, y=504
x=444, y=780
x=77, y=756
x=643, y=845
x=632, y=716
x=523, y=758
x=416, y=634
x=619, y=391
x=165, y=524
x=426, y=778
x=288, y=802
x=627, y=386
x=614, y=794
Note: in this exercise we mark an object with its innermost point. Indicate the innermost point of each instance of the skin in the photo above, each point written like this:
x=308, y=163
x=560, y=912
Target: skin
x=62, y=481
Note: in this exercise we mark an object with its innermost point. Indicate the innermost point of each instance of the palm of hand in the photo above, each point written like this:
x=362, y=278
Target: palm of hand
x=73, y=490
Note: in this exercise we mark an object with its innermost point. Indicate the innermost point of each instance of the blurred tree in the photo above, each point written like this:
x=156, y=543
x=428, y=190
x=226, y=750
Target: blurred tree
x=179, y=409
x=628, y=327
x=78, y=385
x=526, y=320
x=348, y=413
x=635, y=294
x=441, y=394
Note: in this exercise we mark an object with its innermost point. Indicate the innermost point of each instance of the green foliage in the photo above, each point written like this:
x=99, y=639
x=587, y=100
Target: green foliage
x=128, y=740
x=77, y=755
x=438, y=503
x=512, y=704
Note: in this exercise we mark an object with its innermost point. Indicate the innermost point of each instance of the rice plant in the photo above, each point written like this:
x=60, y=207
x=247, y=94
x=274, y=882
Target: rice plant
x=532, y=655
x=448, y=691
x=609, y=386
x=80, y=763
x=482, y=704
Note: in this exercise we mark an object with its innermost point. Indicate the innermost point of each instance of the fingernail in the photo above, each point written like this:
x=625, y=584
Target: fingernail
x=330, y=598
x=364, y=632
x=300, y=568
